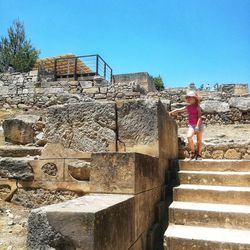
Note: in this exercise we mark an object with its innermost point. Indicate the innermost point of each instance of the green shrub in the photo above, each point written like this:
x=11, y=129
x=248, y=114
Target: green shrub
x=16, y=50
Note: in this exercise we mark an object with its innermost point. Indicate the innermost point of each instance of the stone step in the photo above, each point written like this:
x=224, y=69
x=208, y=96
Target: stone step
x=94, y=221
x=208, y=214
x=216, y=165
x=16, y=168
x=179, y=237
x=213, y=194
x=215, y=178
x=19, y=151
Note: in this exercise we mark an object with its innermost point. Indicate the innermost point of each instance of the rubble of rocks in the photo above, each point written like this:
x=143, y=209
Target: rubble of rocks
x=34, y=198
x=24, y=129
x=13, y=226
x=16, y=168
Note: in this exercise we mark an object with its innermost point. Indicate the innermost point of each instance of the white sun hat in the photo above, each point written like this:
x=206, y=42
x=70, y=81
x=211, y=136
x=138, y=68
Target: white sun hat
x=191, y=94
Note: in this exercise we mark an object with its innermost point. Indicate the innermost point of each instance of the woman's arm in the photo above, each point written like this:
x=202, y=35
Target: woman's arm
x=199, y=117
x=180, y=110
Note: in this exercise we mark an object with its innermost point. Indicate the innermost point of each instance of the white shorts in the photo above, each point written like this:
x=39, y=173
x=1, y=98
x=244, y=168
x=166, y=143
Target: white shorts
x=191, y=128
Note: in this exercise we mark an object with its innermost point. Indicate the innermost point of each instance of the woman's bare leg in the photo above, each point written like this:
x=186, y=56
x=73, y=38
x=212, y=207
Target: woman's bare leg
x=190, y=135
x=199, y=142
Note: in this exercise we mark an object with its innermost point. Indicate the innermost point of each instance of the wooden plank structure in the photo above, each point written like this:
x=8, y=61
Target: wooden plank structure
x=65, y=65
x=71, y=66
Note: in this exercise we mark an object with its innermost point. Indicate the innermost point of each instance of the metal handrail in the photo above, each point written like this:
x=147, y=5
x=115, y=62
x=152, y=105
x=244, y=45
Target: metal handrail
x=100, y=68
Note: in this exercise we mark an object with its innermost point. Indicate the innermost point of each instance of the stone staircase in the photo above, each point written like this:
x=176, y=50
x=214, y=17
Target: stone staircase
x=16, y=151
x=14, y=167
x=211, y=206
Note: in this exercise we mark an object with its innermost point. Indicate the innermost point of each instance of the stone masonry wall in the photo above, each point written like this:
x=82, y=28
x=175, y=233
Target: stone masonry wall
x=230, y=151
x=26, y=90
x=217, y=107
x=142, y=77
x=137, y=126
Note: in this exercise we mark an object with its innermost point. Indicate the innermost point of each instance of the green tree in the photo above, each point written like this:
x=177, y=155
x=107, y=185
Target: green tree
x=16, y=50
x=157, y=82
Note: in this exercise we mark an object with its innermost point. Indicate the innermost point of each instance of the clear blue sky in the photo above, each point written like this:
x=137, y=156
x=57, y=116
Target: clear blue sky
x=182, y=40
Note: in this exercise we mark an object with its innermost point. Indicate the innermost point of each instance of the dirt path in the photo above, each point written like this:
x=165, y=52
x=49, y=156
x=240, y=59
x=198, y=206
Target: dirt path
x=14, y=215
x=224, y=133
x=13, y=223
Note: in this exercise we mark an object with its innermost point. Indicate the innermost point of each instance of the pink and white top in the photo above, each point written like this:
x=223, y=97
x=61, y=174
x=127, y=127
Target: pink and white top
x=193, y=114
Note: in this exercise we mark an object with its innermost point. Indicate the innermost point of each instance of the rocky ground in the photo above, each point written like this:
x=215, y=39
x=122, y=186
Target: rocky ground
x=14, y=215
x=221, y=142
x=13, y=222
x=239, y=133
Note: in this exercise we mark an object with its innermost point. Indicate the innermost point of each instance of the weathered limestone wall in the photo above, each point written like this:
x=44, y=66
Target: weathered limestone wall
x=235, y=88
x=137, y=124
x=229, y=105
x=142, y=78
x=141, y=126
x=220, y=151
x=23, y=129
x=227, y=151
x=235, y=110
x=127, y=173
x=218, y=107
x=144, y=126
x=26, y=90
x=87, y=126
x=123, y=173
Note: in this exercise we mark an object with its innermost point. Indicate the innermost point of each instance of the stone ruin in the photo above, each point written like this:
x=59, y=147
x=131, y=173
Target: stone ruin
x=116, y=154
x=108, y=152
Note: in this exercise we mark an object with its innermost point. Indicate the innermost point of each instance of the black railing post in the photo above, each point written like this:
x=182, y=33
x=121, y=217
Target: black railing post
x=105, y=70
x=75, y=70
x=55, y=67
x=97, y=64
x=111, y=75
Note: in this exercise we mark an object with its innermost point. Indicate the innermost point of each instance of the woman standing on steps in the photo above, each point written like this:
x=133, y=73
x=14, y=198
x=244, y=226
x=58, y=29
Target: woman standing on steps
x=195, y=125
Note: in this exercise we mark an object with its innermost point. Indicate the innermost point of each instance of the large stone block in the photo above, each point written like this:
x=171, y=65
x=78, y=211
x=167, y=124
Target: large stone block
x=60, y=173
x=141, y=243
x=88, y=126
x=7, y=189
x=15, y=169
x=20, y=129
x=127, y=173
x=144, y=126
x=145, y=210
x=138, y=126
x=98, y=222
x=93, y=90
x=232, y=154
x=54, y=90
x=86, y=84
x=242, y=103
x=214, y=106
x=4, y=90
x=19, y=151
x=57, y=150
x=141, y=78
